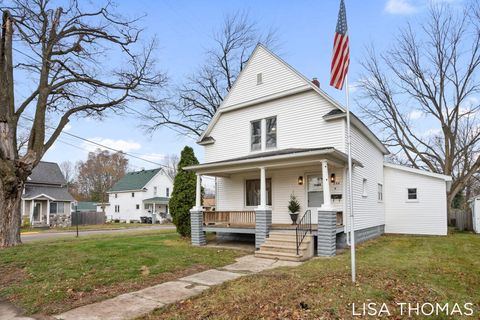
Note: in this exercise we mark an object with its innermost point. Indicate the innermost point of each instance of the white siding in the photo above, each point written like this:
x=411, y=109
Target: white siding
x=426, y=216
x=369, y=212
x=277, y=77
x=128, y=204
x=300, y=124
x=231, y=191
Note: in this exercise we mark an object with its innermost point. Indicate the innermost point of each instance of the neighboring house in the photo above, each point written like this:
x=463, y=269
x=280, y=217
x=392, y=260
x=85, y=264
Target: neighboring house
x=144, y=193
x=277, y=133
x=45, y=199
x=475, y=207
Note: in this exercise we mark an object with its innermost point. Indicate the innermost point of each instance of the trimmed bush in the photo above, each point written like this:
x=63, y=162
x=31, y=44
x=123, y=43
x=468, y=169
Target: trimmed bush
x=183, y=195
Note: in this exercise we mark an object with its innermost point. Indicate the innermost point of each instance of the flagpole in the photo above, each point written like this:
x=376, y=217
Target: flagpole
x=350, y=192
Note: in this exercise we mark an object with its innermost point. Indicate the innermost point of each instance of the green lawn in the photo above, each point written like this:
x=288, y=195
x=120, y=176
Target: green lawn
x=53, y=276
x=391, y=269
x=106, y=226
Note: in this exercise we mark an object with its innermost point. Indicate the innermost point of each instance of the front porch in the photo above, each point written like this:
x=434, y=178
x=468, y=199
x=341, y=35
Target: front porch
x=253, y=194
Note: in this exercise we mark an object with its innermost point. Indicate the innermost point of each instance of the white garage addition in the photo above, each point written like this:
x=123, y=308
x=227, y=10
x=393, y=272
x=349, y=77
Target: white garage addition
x=415, y=201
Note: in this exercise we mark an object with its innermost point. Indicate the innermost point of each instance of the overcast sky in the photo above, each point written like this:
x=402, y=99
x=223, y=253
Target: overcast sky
x=184, y=30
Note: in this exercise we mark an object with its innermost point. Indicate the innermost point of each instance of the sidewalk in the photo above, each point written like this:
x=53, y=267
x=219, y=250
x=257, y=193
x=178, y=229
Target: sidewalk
x=142, y=302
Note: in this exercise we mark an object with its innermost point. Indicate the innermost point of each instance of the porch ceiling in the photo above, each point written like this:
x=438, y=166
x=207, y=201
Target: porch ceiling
x=273, y=159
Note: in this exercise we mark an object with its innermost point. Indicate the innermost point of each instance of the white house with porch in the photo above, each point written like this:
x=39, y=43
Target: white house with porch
x=277, y=134
x=45, y=199
x=144, y=193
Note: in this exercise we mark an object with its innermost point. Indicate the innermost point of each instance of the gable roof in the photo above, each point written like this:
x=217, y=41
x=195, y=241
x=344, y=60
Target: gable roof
x=134, y=180
x=47, y=173
x=304, y=84
x=53, y=193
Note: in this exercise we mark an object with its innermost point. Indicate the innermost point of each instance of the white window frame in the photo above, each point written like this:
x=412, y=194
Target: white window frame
x=263, y=134
x=167, y=192
x=416, y=194
x=137, y=207
x=364, y=187
x=380, y=192
x=155, y=189
x=245, y=192
x=133, y=194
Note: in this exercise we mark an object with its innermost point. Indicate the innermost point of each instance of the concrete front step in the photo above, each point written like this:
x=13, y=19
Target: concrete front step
x=262, y=253
x=282, y=246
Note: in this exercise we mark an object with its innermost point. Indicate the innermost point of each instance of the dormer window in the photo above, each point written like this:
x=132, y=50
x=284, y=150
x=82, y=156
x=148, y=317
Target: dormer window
x=259, y=78
x=263, y=134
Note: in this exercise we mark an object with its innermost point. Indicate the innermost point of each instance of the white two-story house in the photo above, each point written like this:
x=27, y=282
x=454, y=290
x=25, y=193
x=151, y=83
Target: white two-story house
x=277, y=134
x=144, y=193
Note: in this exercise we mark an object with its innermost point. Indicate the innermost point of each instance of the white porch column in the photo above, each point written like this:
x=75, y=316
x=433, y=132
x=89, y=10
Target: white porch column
x=263, y=189
x=48, y=211
x=198, y=193
x=32, y=206
x=327, y=205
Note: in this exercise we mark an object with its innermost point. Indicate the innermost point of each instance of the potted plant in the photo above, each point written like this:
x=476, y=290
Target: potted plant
x=293, y=208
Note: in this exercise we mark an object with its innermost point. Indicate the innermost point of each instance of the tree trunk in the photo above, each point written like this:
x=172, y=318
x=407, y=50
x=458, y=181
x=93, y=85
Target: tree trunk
x=10, y=215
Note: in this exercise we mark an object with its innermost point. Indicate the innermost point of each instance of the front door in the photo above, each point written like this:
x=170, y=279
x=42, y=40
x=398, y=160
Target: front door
x=314, y=191
x=37, y=211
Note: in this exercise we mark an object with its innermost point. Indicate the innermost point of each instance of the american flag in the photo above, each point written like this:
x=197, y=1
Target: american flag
x=341, y=50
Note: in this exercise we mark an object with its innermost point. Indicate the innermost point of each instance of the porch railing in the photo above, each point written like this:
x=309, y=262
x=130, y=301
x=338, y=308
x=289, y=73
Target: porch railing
x=229, y=218
x=304, y=227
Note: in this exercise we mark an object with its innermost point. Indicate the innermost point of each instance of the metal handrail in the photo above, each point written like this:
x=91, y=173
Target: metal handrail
x=304, y=226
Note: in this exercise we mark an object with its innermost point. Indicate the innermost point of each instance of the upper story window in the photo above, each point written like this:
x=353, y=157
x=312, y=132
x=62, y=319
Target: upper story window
x=263, y=134
x=116, y=196
x=271, y=132
x=256, y=132
x=133, y=194
x=167, y=192
x=154, y=191
x=364, y=188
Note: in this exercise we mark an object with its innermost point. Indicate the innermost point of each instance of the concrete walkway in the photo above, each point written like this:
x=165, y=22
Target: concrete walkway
x=142, y=302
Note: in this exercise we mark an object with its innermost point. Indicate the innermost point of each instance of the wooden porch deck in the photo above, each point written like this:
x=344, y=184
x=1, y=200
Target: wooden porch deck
x=244, y=222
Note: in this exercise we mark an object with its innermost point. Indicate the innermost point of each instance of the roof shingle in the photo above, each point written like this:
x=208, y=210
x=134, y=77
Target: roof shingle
x=134, y=180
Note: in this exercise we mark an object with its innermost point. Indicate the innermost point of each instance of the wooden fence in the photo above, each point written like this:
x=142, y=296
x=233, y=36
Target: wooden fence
x=90, y=217
x=461, y=219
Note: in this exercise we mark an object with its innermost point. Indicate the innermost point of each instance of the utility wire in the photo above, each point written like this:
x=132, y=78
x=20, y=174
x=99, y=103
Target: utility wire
x=100, y=145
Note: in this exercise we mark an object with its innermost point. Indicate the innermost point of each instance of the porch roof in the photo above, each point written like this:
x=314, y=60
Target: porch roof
x=157, y=200
x=277, y=158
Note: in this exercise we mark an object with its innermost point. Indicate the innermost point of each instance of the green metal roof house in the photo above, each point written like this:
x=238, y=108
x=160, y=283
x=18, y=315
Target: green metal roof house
x=144, y=193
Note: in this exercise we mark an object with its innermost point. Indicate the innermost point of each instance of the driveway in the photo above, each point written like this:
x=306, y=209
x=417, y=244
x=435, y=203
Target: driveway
x=54, y=235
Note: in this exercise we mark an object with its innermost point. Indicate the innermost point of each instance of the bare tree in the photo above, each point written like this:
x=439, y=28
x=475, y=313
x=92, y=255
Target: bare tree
x=80, y=60
x=195, y=102
x=68, y=170
x=171, y=163
x=433, y=72
x=99, y=173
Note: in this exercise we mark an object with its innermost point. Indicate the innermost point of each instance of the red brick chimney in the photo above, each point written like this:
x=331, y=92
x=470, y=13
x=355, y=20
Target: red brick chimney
x=316, y=82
